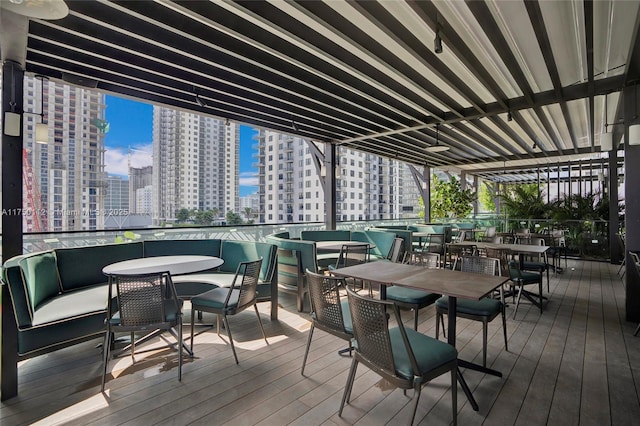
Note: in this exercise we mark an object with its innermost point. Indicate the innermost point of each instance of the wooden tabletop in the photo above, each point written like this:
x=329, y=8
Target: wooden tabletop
x=517, y=248
x=441, y=281
x=337, y=245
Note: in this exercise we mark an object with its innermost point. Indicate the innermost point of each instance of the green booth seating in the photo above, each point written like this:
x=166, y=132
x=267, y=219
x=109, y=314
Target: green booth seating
x=59, y=297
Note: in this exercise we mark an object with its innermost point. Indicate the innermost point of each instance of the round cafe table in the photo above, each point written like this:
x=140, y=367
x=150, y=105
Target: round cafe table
x=175, y=265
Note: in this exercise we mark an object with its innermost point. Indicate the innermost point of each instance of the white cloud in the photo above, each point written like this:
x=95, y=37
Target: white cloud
x=248, y=179
x=117, y=159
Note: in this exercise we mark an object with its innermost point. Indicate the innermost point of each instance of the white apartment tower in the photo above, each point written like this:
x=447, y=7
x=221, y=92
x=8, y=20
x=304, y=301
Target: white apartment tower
x=195, y=164
x=367, y=186
x=139, y=177
x=65, y=183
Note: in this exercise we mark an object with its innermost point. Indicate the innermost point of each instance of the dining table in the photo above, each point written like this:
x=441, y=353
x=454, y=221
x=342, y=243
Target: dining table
x=453, y=284
x=337, y=245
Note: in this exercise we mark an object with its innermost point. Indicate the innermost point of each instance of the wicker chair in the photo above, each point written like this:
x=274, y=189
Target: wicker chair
x=484, y=310
x=229, y=301
x=519, y=279
x=146, y=302
x=329, y=312
x=415, y=299
x=397, y=251
x=353, y=254
x=405, y=358
x=541, y=265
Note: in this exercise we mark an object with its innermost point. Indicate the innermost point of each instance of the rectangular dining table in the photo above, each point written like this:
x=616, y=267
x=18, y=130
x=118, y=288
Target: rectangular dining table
x=452, y=284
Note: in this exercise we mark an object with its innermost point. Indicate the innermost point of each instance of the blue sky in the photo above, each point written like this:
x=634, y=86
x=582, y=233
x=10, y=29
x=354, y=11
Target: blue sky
x=130, y=138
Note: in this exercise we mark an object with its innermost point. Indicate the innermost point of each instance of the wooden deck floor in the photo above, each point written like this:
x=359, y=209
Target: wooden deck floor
x=576, y=364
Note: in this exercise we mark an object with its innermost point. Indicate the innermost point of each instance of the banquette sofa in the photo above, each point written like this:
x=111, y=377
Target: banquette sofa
x=297, y=255
x=59, y=297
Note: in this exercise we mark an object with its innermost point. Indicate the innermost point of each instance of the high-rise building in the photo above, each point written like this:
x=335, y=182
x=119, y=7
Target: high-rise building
x=116, y=195
x=139, y=177
x=144, y=200
x=66, y=186
x=367, y=186
x=195, y=164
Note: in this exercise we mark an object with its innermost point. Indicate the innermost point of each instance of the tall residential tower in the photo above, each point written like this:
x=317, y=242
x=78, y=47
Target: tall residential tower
x=195, y=164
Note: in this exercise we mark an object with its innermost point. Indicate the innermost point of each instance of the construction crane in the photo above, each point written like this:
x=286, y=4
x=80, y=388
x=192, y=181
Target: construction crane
x=34, y=215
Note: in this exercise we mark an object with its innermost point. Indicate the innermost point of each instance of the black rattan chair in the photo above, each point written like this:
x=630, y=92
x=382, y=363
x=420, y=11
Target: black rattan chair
x=484, y=310
x=146, y=302
x=329, y=312
x=416, y=299
x=229, y=301
x=405, y=358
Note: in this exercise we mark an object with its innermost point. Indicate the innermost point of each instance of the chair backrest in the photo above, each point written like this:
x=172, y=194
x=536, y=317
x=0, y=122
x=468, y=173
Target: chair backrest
x=502, y=255
x=426, y=260
x=478, y=265
x=324, y=292
x=143, y=299
x=353, y=254
x=396, y=250
x=245, y=285
x=537, y=241
x=371, y=331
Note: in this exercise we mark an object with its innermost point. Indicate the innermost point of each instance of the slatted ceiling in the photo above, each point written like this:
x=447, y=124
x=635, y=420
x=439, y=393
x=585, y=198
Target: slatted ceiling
x=362, y=74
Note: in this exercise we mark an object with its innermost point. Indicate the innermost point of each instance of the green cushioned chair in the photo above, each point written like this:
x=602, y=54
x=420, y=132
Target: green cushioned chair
x=484, y=310
x=230, y=301
x=415, y=299
x=403, y=357
x=329, y=311
x=519, y=279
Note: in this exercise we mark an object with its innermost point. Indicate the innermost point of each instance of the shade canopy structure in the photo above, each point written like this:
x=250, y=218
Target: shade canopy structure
x=515, y=80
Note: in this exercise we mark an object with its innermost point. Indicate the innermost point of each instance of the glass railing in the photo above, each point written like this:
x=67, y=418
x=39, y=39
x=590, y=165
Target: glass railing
x=588, y=239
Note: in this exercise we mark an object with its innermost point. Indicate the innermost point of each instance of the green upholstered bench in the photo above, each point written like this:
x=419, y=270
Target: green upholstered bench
x=59, y=297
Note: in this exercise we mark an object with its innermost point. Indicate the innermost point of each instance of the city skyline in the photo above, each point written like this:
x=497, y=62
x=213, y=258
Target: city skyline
x=130, y=141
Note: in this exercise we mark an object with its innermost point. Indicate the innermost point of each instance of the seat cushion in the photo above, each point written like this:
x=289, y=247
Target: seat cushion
x=77, y=303
x=534, y=266
x=346, y=316
x=429, y=352
x=530, y=277
x=485, y=307
x=213, y=300
x=409, y=295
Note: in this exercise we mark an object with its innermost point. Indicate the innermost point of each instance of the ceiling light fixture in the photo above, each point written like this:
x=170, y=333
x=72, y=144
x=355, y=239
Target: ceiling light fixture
x=437, y=42
x=535, y=145
x=201, y=101
x=509, y=116
x=437, y=147
x=42, y=128
x=294, y=126
x=37, y=9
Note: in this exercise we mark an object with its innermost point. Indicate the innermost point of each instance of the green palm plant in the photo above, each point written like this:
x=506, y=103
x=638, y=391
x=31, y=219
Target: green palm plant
x=524, y=201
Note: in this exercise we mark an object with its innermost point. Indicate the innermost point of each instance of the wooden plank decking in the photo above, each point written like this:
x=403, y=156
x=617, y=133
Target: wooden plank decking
x=576, y=364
